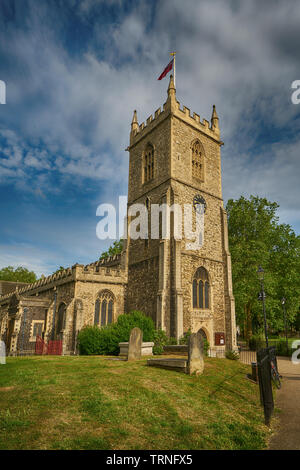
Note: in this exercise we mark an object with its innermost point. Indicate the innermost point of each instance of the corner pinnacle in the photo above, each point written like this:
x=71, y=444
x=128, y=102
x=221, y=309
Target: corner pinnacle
x=171, y=87
x=214, y=119
x=134, y=122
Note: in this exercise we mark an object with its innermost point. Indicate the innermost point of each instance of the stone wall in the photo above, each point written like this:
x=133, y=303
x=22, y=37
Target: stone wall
x=36, y=311
x=77, y=289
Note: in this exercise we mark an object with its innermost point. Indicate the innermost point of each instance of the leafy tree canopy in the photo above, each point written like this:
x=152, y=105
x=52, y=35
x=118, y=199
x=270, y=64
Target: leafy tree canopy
x=61, y=268
x=297, y=321
x=19, y=274
x=257, y=238
x=115, y=249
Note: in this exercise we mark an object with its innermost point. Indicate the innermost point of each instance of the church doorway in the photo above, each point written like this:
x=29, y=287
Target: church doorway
x=203, y=334
x=205, y=341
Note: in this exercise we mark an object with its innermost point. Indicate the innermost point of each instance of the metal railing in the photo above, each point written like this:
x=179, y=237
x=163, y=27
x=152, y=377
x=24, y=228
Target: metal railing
x=247, y=356
x=51, y=348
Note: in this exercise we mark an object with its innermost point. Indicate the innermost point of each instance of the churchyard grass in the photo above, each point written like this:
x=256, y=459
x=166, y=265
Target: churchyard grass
x=90, y=402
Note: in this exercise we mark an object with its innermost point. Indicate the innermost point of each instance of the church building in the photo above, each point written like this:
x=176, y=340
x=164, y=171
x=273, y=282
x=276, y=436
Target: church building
x=174, y=159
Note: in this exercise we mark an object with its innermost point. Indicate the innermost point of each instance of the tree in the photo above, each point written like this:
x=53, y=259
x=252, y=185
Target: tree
x=61, y=268
x=115, y=249
x=256, y=238
x=19, y=274
x=296, y=323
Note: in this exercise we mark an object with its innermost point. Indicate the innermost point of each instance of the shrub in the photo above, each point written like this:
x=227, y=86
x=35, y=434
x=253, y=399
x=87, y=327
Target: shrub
x=256, y=342
x=206, y=347
x=172, y=341
x=93, y=340
x=127, y=321
x=161, y=340
x=89, y=340
x=234, y=356
x=105, y=340
x=185, y=338
x=282, y=350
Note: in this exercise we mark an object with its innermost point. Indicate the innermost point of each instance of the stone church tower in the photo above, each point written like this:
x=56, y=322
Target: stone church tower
x=175, y=159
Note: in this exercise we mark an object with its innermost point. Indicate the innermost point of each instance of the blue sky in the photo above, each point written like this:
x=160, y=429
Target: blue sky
x=76, y=69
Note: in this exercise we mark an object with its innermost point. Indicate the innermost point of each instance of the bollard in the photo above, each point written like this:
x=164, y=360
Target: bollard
x=254, y=374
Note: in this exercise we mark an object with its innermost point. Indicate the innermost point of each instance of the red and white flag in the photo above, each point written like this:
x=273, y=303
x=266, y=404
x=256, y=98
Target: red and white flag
x=167, y=69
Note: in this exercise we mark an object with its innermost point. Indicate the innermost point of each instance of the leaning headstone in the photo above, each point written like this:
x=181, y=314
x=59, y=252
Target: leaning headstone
x=135, y=344
x=2, y=353
x=195, y=354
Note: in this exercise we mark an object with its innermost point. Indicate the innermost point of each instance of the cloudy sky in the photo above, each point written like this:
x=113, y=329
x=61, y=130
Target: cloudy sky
x=76, y=69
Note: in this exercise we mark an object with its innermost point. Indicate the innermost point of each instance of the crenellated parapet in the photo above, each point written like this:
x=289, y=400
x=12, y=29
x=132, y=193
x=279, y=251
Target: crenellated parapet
x=173, y=106
x=140, y=130
x=108, y=261
x=63, y=275
x=109, y=267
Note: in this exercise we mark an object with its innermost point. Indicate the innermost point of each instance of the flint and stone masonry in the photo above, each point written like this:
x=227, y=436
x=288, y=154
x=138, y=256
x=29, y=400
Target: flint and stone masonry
x=173, y=159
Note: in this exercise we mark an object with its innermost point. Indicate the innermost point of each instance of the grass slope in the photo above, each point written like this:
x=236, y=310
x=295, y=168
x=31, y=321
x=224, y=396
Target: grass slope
x=99, y=403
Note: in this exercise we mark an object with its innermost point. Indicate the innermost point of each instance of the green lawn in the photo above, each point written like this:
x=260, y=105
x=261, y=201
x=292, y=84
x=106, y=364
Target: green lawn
x=275, y=339
x=100, y=403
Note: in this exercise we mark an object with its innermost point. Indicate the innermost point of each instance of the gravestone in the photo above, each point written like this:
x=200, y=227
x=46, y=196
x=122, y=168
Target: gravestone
x=195, y=354
x=135, y=344
x=146, y=350
x=2, y=353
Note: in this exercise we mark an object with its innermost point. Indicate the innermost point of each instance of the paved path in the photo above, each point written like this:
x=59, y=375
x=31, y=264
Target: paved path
x=287, y=436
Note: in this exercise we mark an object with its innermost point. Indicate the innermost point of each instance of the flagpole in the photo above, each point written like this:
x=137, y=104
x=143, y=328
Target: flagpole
x=174, y=56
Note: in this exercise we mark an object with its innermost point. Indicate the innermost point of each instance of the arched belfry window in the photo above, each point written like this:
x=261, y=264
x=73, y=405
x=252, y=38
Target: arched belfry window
x=198, y=160
x=148, y=163
x=104, y=308
x=201, y=289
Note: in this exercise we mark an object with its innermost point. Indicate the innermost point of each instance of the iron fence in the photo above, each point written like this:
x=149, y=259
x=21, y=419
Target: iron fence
x=215, y=353
x=246, y=355
x=51, y=348
x=249, y=355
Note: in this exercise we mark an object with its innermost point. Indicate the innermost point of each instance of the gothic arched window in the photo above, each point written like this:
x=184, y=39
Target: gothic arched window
x=104, y=308
x=110, y=312
x=97, y=312
x=103, y=312
x=201, y=290
x=197, y=160
x=148, y=164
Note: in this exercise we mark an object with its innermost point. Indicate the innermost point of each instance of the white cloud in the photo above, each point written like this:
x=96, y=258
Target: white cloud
x=28, y=257
x=72, y=111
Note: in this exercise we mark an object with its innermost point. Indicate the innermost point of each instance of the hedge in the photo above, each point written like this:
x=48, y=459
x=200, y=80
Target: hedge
x=105, y=340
